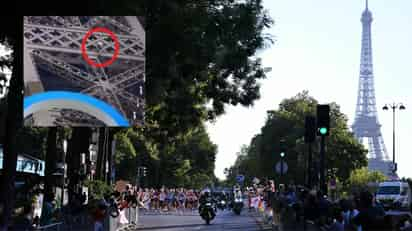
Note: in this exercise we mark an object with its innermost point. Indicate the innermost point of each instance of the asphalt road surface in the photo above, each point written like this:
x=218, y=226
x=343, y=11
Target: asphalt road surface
x=225, y=220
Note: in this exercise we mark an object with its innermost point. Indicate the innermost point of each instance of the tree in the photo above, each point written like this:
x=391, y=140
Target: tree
x=193, y=156
x=343, y=153
x=206, y=62
x=51, y=160
x=10, y=35
x=360, y=178
x=77, y=144
x=31, y=141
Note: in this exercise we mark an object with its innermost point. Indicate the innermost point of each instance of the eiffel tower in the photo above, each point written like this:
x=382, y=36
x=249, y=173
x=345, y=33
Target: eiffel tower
x=53, y=62
x=366, y=125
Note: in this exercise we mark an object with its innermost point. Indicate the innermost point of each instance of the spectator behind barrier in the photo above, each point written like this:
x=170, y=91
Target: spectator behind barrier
x=369, y=217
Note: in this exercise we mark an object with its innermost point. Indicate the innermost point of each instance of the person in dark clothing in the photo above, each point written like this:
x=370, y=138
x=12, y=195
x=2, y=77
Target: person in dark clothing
x=83, y=198
x=311, y=211
x=323, y=207
x=369, y=217
x=204, y=198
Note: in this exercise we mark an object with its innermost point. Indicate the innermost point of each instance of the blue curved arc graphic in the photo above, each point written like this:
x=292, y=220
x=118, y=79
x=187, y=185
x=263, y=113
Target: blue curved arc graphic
x=78, y=97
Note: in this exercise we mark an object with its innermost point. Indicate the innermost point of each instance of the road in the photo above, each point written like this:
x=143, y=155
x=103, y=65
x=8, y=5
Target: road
x=225, y=220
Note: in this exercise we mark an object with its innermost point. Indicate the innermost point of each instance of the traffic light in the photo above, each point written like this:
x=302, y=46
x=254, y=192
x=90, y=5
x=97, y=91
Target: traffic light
x=144, y=171
x=282, y=149
x=310, y=129
x=322, y=114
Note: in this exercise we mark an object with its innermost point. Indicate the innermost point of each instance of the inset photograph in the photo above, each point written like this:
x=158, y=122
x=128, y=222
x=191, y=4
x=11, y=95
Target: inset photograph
x=84, y=71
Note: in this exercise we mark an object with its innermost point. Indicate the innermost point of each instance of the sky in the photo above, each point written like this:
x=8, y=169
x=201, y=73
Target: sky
x=317, y=48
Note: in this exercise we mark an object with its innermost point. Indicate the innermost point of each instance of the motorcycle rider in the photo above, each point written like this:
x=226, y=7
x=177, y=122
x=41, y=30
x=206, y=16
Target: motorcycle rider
x=206, y=197
x=237, y=199
x=237, y=192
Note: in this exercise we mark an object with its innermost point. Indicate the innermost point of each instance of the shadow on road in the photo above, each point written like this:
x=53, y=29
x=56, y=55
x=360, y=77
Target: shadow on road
x=165, y=227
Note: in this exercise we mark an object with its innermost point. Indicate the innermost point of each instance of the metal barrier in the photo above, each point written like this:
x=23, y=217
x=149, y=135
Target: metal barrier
x=113, y=223
x=83, y=222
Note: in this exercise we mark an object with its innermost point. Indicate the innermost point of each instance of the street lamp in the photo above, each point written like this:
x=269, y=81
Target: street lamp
x=393, y=106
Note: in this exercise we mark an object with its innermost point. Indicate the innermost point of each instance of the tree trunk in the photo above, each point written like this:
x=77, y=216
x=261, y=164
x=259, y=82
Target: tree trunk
x=50, y=160
x=101, y=154
x=13, y=124
x=79, y=143
x=110, y=155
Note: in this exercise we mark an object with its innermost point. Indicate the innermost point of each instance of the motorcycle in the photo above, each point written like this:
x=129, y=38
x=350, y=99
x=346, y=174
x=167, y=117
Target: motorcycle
x=207, y=212
x=238, y=205
x=221, y=205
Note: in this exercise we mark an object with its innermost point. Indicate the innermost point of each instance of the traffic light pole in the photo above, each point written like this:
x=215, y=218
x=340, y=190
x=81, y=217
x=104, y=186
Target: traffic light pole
x=323, y=186
x=281, y=169
x=310, y=166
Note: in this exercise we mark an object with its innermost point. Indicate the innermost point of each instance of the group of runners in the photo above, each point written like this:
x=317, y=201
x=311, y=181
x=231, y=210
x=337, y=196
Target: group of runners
x=166, y=199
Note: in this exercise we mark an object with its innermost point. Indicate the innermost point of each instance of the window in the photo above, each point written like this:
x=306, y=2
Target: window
x=389, y=190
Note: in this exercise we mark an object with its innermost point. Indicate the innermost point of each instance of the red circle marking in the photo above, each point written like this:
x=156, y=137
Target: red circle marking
x=116, y=47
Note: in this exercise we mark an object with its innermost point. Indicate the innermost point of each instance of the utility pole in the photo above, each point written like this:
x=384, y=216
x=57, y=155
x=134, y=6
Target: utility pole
x=323, y=185
x=310, y=137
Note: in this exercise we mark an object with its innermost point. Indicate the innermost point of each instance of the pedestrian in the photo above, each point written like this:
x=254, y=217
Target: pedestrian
x=162, y=198
x=48, y=210
x=369, y=217
x=338, y=223
x=98, y=216
x=122, y=214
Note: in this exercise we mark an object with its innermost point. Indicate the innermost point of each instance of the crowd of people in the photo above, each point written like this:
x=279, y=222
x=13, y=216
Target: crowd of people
x=287, y=204
x=297, y=206
x=160, y=200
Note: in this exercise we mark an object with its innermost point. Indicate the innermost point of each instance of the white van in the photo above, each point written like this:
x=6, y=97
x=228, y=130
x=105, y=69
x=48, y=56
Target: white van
x=394, y=194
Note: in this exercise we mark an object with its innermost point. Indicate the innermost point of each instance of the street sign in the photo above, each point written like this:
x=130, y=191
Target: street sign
x=240, y=178
x=278, y=167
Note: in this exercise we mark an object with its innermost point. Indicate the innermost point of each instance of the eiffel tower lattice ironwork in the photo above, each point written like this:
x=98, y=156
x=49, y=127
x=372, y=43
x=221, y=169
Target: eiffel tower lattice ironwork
x=53, y=61
x=366, y=124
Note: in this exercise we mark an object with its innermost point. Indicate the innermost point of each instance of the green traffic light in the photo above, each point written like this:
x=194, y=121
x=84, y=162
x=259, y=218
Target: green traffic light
x=323, y=131
x=282, y=154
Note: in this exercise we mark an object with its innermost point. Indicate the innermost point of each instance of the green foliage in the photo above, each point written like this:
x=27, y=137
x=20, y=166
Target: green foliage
x=199, y=52
x=201, y=57
x=344, y=153
x=32, y=141
x=188, y=156
x=98, y=189
x=198, y=181
x=360, y=178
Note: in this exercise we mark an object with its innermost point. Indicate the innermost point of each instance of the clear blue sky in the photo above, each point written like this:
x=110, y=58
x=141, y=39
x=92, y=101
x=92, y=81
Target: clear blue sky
x=317, y=48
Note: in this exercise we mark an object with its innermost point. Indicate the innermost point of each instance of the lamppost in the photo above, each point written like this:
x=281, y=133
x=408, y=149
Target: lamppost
x=393, y=106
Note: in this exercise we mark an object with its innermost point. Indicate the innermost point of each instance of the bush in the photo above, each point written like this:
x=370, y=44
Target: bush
x=98, y=189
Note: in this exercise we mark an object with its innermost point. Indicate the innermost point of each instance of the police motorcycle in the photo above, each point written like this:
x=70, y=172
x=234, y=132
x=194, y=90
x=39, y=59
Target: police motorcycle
x=207, y=209
x=237, y=204
x=221, y=199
